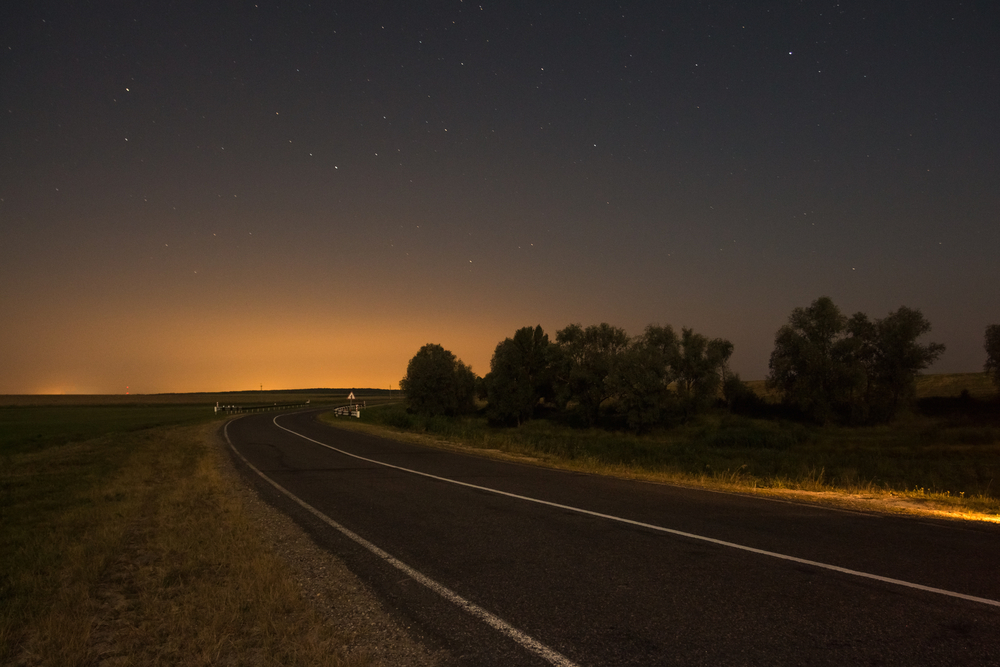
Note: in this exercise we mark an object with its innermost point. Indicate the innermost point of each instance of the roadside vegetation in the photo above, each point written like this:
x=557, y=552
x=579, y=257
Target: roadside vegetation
x=845, y=408
x=127, y=545
x=948, y=459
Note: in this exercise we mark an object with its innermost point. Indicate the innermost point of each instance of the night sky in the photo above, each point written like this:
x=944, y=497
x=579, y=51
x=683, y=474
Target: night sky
x=202, y=196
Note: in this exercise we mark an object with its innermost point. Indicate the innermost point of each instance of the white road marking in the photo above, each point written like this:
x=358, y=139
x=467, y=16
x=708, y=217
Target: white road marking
x=610, y=517
x=497, y=623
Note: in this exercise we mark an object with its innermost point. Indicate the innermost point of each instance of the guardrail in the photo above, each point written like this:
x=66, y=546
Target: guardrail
x=235, y=409
x=353, y=410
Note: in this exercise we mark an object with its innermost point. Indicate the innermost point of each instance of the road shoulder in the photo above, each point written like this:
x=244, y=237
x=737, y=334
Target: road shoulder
x=335, y=592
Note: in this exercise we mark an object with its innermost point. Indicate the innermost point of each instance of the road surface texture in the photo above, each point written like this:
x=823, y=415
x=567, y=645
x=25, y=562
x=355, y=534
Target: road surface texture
x=507, y=564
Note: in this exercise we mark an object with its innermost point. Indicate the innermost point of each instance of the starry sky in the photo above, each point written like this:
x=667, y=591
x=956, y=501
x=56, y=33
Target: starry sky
x=210, y=196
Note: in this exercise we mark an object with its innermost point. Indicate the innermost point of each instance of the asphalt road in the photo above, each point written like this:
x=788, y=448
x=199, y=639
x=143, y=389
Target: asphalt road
x=696, y=578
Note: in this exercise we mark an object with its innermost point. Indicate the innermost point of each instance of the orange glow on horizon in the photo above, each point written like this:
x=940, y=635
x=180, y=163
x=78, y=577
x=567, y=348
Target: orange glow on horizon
x=200, y=354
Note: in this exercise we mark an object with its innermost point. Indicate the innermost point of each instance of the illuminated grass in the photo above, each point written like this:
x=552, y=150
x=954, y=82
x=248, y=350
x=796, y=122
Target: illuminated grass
x=950, y=462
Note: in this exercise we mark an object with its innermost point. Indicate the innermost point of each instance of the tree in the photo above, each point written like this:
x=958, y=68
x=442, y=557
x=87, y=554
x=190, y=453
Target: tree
x=586, y=359
x=991, y=342
x=519, y=376
x=812, y=363
x=828, y=365
x=699, y=367
x=438, y=383
x=888, y=352
x=642, y=377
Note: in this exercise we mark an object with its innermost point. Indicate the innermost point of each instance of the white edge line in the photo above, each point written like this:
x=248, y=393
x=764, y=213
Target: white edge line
x=492, y=620
x=610, y=517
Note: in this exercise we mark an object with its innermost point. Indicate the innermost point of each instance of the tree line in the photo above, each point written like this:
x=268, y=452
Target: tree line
x=825, y=366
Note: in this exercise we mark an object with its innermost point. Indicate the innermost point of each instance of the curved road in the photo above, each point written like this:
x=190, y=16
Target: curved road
x=507, y=564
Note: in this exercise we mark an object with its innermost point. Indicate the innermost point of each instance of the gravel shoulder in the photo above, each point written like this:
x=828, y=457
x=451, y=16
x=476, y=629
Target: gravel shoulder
x=374, y=634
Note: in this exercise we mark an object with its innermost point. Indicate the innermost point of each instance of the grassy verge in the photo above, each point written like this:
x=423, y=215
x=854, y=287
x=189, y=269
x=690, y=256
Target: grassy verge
x=945, y=465
x=132, y=548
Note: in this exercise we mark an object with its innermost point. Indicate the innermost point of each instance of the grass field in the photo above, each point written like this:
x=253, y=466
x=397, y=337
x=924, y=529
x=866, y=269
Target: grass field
x=149, y=400
x=29, y=428
x=30, y=422
x=948, y=460
x=943, y=385
x=121, y=543
x=946, y=385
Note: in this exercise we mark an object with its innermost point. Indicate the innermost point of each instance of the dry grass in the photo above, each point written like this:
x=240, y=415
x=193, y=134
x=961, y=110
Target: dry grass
x=978, y=385
x=132, y=549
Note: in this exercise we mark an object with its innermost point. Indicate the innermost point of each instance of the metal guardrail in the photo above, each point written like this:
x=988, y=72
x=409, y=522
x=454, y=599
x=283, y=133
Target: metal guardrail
x=353, y=410
x=236, y=409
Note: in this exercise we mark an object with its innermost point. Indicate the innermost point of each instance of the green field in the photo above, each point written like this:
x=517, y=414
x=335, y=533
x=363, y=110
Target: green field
x=30, y=422
x=122, y=543
x=34, y=427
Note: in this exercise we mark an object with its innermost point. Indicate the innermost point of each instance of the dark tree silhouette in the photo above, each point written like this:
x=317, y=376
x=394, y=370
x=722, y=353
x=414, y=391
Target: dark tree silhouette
x=991, y=342
x=888, y=352
x=811, y=365
x=828, y=365
x=586, y=359
x=660, y=359
x=519, y=376
x=438, y=383
x=643, y=375
x=700, y=367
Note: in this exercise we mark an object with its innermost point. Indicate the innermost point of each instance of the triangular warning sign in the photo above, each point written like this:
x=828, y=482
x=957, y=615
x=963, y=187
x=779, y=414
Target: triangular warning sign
x=351, y=397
